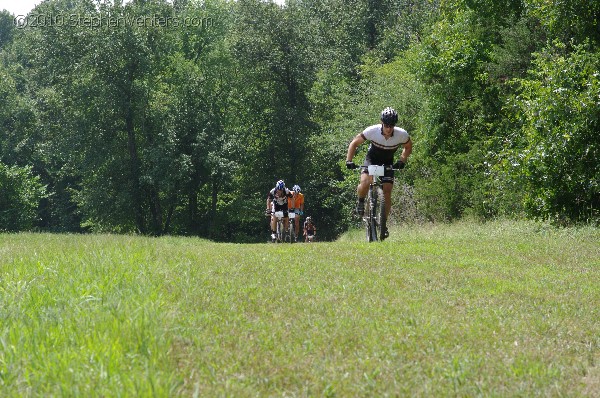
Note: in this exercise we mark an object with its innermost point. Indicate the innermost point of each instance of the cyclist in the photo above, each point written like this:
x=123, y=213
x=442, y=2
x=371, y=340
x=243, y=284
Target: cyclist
x=277, y=200
x=309, y=230
x=385, y=139
x=296, y=204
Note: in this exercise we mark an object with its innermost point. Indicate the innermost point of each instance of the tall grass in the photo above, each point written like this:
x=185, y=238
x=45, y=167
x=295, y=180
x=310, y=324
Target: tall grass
x=500, y=309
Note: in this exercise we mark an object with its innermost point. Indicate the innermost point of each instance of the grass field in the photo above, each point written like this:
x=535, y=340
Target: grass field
x=502, y=309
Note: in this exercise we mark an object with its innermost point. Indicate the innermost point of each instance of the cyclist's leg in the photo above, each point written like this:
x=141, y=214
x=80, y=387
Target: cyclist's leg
x=387, y=184
x=365, y=179
x=286, y=220
x=361, y=191
x=386, y=187
x=297, y=221
x=387, y=196
x=363, y=186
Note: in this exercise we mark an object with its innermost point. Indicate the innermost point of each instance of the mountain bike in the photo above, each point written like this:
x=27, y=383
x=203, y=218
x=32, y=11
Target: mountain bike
x=374, y=217
x=290, y=234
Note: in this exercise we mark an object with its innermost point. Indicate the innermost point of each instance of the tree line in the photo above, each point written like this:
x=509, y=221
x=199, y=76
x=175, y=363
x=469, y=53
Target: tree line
x=164, y=128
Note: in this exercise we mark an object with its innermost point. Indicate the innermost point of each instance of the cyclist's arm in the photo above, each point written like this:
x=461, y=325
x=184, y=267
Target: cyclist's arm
x=406, y=151
x=356, y=142
x=268, y=203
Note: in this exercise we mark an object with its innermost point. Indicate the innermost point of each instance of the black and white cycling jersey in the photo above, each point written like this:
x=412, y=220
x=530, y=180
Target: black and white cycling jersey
x=279, y=197
x=381, y=149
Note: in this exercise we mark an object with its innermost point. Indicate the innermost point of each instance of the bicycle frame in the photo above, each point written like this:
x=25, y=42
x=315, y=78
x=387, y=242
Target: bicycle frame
x=374, y=216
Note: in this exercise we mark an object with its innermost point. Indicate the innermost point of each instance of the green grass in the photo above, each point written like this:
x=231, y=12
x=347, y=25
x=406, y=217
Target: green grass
x=500, y=309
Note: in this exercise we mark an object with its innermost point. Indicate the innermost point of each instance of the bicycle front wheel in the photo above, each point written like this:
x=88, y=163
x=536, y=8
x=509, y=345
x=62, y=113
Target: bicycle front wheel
x=371, y=214
x=280, y=231
x=381, y=218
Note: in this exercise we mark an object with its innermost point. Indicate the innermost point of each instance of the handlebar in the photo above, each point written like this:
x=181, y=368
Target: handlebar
x=377, y=170
x=290, y=211
x=386, y=168
x=278, y=214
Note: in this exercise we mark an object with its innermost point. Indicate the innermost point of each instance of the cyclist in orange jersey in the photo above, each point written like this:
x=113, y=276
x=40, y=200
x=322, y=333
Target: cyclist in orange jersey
x=296, y=204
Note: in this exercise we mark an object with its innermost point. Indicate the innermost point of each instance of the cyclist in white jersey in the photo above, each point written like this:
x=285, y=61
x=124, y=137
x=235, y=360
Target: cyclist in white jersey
x=277, y=200
x=385, y=139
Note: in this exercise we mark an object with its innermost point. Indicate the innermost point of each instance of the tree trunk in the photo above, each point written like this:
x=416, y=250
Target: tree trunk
x=134, y=161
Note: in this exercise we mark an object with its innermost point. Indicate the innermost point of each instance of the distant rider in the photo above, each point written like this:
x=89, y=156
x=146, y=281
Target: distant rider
x=309, y=230
x=385, y=139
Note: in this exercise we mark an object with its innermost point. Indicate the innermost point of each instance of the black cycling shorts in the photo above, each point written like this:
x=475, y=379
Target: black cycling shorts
x=283, y=208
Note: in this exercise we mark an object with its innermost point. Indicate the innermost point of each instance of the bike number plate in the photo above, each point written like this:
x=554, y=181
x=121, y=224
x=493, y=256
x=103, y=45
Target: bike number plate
x=292, y=215
x=375, y=170
x=279, y=214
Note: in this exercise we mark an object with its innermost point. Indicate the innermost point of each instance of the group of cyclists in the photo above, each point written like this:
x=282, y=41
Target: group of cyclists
x=281, y=199
x=385, y=139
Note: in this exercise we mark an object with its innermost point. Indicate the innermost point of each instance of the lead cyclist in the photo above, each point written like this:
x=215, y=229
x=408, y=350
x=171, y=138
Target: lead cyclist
x=385, y=139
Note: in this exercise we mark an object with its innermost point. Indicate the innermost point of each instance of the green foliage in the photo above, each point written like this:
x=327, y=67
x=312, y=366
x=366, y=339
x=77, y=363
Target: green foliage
x=449, y=65
x=128, y=138
x=7, y=28
x=20, y=196
x=337, y=32
x=568, y=21
x=450, y=190
x=455, y=119
x=511, y=54
x=554, y=157
x=403, y=25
